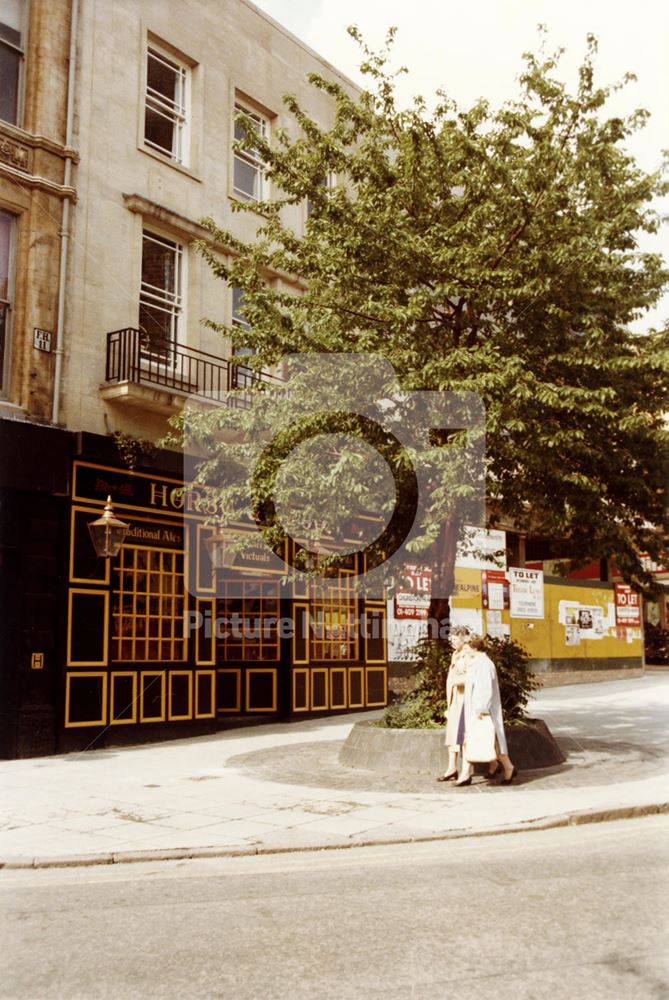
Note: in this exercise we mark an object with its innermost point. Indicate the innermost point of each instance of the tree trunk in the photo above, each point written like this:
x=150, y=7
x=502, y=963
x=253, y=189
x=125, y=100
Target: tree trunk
x=443, y=579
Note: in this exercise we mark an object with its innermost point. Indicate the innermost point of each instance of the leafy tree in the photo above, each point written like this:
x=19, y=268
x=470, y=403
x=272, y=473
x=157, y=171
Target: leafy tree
x=485, y=249
x=656, y=641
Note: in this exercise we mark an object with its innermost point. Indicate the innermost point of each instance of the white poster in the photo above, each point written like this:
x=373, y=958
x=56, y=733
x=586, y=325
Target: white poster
x=526, y=588
x=471, y=617
x=572, y=635
x=495, y=627
x=403, y=634
x=481, y=549
x=591, y=621
x=595, y=622
x=495, y=596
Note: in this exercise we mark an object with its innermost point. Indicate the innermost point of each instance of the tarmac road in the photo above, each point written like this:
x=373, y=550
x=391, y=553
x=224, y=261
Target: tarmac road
x=564, y=913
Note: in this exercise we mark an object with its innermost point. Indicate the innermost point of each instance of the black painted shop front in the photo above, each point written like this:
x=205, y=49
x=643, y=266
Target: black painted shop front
x=99, y=652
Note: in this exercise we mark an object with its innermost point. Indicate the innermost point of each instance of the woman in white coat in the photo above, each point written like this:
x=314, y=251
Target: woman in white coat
x=455, y=699
x=482, y=698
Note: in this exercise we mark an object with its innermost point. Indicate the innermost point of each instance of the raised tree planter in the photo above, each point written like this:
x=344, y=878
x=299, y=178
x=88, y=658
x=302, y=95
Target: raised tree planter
x=422, y=751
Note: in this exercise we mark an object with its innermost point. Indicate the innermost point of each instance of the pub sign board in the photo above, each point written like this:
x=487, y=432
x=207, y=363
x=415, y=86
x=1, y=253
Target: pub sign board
x=140, y=491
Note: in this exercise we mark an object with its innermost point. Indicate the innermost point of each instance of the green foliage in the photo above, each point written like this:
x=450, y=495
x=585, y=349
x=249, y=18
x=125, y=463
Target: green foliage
x=414, y=713
x=484, y=249
x=656, y=641
x=131, y=448
x=516, y=681
x=425, y=706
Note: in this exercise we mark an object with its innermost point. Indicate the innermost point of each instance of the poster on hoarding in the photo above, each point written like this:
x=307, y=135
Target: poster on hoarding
x=526, y=591
x=481, y=549
x=494, y=589
x=495, y=627
x=628, y=608
x=412, y=600
x=590, y=620
x=587, y=621
x=403, y=636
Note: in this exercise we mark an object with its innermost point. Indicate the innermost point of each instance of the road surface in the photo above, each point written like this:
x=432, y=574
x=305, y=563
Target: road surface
x=565, y=913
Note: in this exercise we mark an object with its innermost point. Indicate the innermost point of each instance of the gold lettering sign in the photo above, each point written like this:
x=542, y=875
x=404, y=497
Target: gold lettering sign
x=142, y=491
x=158, y=495
x=157, y=534
x=180, y=498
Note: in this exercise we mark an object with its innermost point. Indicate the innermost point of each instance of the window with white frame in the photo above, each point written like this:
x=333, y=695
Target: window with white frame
x=6, y=268
x=161, y=293
x=242, y=375
x=238, y=319
x=12, y=50
x=327, y=182
x=166, y=108
x=248, y=180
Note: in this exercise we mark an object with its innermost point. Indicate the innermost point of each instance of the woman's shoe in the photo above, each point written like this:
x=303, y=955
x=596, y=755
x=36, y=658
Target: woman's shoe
x=489, y=775
x=507, y=781
x=448, y=777
x=463, y=784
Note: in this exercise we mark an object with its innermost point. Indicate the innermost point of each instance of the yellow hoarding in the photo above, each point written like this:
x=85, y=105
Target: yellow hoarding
x=579, y=622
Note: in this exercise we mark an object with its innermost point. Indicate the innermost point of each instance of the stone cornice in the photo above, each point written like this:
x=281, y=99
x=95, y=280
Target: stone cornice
x=187, y=229
x=27, y=180
x=34, y=141
x=179, y=224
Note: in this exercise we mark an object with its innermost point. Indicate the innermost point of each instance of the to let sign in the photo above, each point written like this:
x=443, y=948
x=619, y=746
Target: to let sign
x=527, y=593
x=413, y=599
x=628, y=608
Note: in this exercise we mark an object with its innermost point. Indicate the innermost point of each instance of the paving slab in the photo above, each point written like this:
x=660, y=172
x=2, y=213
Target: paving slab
x=281, y=787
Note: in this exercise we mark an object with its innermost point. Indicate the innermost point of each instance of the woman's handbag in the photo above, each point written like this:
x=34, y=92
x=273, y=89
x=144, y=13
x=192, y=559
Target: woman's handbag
x=479, y=745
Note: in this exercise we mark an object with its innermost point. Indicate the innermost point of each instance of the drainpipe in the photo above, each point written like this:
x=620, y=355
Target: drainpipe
x=65, y=216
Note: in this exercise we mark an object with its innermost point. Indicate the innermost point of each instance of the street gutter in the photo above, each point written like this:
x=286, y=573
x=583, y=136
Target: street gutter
x=576, y=818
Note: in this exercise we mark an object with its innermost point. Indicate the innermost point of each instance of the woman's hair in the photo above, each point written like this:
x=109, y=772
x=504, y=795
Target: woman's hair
x=460, y=630
x=465, y=633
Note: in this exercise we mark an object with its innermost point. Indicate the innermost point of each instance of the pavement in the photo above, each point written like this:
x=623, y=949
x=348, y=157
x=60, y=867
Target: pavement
x=280, y=787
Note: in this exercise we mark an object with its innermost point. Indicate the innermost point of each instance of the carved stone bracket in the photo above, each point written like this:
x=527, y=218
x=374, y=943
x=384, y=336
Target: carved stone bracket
x=16, y=154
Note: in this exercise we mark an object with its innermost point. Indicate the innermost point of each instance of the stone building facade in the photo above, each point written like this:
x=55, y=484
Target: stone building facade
x=37, y=160
x=136, y=147
x=155, y=140
x=116, y=139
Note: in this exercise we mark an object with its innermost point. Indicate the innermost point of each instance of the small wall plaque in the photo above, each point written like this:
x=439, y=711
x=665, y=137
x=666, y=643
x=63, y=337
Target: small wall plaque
x=37, y=661
x=42, y=340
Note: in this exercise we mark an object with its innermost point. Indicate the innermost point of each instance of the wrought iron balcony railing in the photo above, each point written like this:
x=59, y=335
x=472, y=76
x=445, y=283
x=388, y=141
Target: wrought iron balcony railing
x=132, y=357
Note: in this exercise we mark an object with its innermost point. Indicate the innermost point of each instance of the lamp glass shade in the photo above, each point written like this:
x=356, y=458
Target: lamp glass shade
x=219, y=552
x=108, y=533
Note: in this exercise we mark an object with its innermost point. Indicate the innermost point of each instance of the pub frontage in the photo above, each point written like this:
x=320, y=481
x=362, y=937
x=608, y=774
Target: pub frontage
x=156, y=643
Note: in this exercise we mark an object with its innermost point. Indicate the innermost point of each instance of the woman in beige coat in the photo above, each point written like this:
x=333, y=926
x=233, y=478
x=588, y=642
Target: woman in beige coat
x=482, y=697
x=455, y=700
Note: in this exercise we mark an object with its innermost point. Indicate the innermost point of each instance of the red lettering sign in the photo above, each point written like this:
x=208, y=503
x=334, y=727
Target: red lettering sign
x=413, y=600
x=628, y=607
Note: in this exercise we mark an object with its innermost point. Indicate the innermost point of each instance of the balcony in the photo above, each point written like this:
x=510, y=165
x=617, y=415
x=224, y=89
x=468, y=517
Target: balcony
x=161, y=376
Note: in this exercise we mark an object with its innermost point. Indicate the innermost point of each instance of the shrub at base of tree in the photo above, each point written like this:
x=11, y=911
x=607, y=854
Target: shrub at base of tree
x=656, y=643
x=425, y=706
